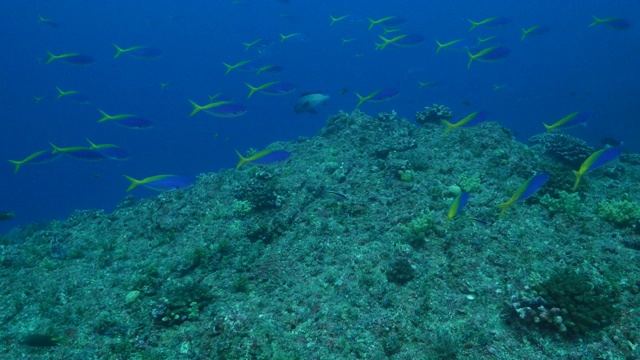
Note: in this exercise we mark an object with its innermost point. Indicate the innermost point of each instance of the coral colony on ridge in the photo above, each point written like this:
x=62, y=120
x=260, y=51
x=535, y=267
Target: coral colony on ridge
x=439, y=236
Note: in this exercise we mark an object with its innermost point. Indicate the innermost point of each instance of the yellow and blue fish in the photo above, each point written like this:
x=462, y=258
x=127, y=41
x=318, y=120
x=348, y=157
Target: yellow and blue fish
x=527, y=189
x=594, y=161
x=472, y=119
x=570, y=121
x=457, y=205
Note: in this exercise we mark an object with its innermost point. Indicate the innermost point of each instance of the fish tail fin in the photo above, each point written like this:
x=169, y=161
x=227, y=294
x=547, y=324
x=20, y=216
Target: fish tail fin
x=372, y=23
x=16, y=164
x=548, y=127
x=252, y=89
x=229, y=68
x=503, y=207
x=333, y=20
x=473, y=24
x=524, y=34
x=55, y=149
x=242, y=160
x=449, y=126
x=440, y=46
x=119, y=51
x=60, y=93
x=283, y=37
x=92, y=146
x=196, y=108
x=51, y=57
x=361, y=99
x=471, y=58
x=596, y=21
x=133, y=181
x=104, y=117
x=578, y=175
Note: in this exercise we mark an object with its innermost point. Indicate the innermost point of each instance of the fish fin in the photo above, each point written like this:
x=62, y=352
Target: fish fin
x=242, y=160
x=449, y=126
x=133, y=181
x=578, y=175
x=504, y=207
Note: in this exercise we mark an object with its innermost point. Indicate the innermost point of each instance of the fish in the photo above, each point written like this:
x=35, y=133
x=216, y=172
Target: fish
x=38, y=157
x=143, y=52
x=79, y=59
x=267, y=156
x=234, y=66
x=72, y=58
x=386, y=42
x=457, y=205
x=446, y=44
x=336, y=19
x=197, y=108
x=135, y=122
x=229, y=110
x=338, y=194
x=107, y=117
x=527, y=189
x=535, y=30
x=109, y=151
x=384, y=95
x=273, y=69
x=594, y=161
x=79, y=152
x=253, y=89
x=248, y=45
x=456, y=45
x=160, y=182
x=489, y=54
x=410, y=40
x=62, y=93
x=387, y=21
x=146, y=52
x=73, y=95
x=470, y=120
x=614, y=23
x=4, y=216
x=281, y=88
x=49, y=22
x=570, y=121
x=40, y=340
x=495, y=21
x=362, y=99
x=299, y=37
x=309, y=102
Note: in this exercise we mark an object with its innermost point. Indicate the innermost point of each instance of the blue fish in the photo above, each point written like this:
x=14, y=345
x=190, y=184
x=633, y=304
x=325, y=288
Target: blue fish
x=527, y=189
x=79, y=59
x=409, y=40
x=385, y=95
x=134, y=122
x=160, y=182
x=227, y=111
x=279, y=89
x=264, y=157
x=458, y=204
x=596, y=160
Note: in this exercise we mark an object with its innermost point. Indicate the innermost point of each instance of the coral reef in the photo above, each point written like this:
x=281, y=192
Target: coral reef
x=568, y=302
x=343, y=251
x=564, y=148
x=433, y=114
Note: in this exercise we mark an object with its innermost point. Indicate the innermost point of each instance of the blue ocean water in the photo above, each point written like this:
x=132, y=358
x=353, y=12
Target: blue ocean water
x=573, y=67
